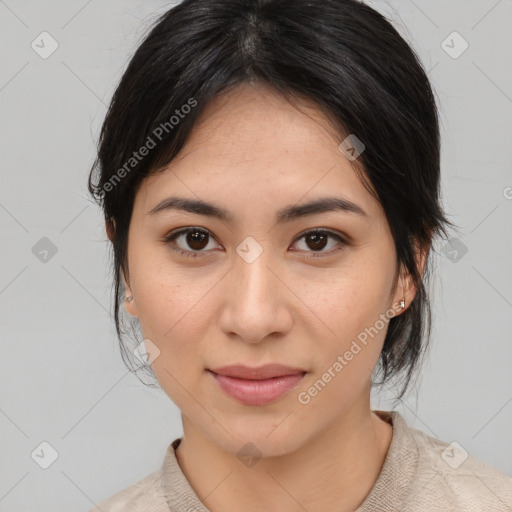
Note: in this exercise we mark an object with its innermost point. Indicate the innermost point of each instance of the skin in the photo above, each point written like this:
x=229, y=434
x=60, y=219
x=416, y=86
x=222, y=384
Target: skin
x=253, y=153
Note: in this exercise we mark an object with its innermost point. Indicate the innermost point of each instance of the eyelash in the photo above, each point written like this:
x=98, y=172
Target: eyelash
x=194, y=254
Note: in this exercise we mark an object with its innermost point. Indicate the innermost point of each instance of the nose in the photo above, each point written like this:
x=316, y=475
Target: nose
x=255, y=301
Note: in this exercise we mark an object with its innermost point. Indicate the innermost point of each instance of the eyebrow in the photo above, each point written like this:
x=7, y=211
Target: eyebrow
x=287, y=214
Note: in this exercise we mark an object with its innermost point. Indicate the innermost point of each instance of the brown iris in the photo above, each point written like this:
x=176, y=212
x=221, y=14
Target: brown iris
x=197, y=240
x=319, y=240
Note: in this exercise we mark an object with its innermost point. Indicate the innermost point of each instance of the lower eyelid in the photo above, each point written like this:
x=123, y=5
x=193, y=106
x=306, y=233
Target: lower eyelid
x=341, y=243
x=172, y=236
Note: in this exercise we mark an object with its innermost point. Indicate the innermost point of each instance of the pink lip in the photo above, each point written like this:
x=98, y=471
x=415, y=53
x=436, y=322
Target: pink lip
x=257, y=386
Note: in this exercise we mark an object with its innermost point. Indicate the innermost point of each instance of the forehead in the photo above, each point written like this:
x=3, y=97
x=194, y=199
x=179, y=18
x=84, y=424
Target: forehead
x=251, y=116
x=251, y=146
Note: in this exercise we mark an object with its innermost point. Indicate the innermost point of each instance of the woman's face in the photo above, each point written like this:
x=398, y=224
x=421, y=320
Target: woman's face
x=254, y=289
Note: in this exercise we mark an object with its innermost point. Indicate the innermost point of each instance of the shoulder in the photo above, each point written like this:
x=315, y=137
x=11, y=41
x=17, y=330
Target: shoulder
x=447, y=476
x=146, y=495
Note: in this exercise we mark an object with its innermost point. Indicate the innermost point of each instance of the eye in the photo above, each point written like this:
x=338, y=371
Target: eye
x=195, y=238
x=317, y=240
x=194, y=242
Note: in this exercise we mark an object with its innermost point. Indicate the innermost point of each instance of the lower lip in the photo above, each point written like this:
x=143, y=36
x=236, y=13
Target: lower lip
x=257, y=392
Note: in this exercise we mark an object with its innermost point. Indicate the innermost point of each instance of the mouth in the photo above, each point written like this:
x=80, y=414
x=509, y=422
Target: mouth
x=257, y=386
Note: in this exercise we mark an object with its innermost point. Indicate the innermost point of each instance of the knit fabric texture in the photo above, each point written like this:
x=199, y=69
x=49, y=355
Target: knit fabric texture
x=420, y=474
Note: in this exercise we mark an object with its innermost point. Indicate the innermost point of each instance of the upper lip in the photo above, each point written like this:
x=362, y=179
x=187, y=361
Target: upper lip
x=257, y=373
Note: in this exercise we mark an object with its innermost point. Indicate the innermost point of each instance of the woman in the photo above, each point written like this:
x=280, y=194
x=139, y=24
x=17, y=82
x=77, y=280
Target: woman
x=269, y=173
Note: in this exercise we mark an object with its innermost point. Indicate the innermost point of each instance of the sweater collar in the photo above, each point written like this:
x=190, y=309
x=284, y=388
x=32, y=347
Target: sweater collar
x=386, y=495
x=397, y=472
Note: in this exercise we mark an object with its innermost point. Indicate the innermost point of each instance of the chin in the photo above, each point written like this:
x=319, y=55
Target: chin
x=247, y=447
x=264, y=438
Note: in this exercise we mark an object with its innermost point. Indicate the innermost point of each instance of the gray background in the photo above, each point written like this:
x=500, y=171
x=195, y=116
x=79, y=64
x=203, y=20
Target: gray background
x=62, y=379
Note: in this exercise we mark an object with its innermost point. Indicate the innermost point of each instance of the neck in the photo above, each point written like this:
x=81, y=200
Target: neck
x=334, y=471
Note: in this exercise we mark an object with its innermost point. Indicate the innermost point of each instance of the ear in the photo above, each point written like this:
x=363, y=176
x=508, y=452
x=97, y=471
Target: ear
x=405, y=288
x=110, y=228
x=129, y=305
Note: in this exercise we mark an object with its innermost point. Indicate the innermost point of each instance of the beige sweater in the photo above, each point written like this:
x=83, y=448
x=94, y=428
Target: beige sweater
x=420, y=474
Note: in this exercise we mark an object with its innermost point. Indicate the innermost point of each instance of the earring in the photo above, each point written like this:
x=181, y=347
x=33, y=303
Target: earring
x=402, y=303
x=129, y=299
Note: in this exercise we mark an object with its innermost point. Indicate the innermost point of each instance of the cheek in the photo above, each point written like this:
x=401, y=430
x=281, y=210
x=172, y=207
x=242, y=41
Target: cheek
x=352, y=307
x=350, y=304
x=348, y=359
x=174, y=311
x=174, y=330
x=167, y=297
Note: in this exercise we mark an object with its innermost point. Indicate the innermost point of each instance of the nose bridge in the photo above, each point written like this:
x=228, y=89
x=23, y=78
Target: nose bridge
x=253, y=309
x=255, y=280
x=251, y=263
